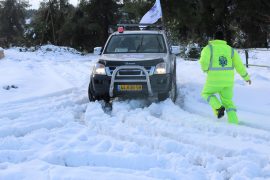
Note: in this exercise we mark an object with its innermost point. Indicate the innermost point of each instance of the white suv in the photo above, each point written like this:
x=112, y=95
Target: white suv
x=135, y=63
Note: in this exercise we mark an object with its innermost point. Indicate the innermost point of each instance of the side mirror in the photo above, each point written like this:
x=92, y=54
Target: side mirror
x=97, y=50
x=175, y=49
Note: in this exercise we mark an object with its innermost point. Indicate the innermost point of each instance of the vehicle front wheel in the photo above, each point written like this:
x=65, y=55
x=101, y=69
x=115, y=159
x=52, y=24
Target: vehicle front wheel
x=91, y=93
x=163, y=96
x=92, y=97
x=172, y=93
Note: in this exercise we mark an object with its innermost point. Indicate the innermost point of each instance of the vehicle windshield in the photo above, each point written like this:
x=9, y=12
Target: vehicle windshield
x=136, y=43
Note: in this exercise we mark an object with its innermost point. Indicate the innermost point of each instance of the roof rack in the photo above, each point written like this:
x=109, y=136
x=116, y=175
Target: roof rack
x=141, y=26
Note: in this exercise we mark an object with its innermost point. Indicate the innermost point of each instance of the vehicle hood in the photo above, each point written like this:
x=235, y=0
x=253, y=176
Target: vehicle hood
x=133, y=57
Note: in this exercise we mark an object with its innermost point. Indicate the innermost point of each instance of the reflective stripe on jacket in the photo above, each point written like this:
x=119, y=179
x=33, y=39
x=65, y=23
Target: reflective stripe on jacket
x=219, y=61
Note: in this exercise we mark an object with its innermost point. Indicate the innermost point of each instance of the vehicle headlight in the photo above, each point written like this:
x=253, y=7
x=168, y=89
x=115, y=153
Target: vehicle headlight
x=99, y=69
x=160, y=68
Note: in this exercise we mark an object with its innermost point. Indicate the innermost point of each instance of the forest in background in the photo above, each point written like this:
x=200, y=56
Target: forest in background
x=246, y=23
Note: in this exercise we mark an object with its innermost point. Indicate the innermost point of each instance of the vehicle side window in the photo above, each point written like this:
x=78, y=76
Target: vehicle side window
x=169, y=43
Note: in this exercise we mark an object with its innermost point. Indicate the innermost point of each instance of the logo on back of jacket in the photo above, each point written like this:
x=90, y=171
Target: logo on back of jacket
x=222, y=61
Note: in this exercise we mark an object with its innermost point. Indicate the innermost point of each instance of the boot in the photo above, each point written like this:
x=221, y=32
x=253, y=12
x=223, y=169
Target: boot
x=220, y=112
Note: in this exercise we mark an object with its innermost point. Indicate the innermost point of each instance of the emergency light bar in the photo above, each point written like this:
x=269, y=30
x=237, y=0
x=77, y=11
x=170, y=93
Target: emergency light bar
x=121, y=29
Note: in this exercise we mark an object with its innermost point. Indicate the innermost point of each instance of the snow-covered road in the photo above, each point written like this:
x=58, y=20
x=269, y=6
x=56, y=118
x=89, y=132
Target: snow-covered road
x=49, y=130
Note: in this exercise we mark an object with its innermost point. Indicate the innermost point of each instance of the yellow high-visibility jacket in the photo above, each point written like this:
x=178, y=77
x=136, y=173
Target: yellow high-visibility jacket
x=219, y=60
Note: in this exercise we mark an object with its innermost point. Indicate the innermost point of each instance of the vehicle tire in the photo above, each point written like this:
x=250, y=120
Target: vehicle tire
x=91, y=96
x=172, y=93
x=163, y=96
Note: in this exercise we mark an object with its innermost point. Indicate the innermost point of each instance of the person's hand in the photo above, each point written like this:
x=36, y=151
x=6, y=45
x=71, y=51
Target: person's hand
x=249, y=82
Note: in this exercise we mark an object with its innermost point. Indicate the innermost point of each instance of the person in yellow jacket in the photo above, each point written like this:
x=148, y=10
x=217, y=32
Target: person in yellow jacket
x=219, y=60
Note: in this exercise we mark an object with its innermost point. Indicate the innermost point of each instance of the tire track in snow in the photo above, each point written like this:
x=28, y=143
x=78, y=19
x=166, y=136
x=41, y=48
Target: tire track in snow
x=29, y=128
x=181, y=134
x=50, y=111
x=153, y=134
x=189, y=124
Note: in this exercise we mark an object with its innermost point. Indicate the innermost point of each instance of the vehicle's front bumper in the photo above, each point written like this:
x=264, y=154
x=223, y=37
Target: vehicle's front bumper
x=160, y=83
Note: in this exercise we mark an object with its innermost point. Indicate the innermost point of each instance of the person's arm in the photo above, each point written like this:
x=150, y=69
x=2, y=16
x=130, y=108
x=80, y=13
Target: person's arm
x=240, y=68
x=205, y=59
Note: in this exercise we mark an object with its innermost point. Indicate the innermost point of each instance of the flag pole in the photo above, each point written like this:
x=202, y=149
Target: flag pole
x=162, y=19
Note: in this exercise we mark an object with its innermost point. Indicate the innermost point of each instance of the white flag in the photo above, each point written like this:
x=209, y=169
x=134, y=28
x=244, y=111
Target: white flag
x=153, y=14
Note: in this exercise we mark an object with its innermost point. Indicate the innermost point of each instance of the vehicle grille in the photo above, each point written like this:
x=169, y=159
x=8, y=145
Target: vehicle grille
x=130, y=72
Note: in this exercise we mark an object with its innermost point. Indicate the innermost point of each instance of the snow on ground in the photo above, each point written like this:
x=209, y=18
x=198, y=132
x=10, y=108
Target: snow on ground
x=49, y=70
x=49, y=130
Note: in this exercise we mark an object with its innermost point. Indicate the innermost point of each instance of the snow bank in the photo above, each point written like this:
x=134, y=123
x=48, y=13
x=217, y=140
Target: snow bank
x=48, y=48
x=57, y=49
x=42, y=72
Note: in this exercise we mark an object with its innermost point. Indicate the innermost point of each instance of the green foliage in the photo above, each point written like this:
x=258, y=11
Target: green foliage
x=49, y=20
x=245, y=23
x=101, y=14
x=253, y=18
x=83, y=27
x=12, y=21
x=135, y=9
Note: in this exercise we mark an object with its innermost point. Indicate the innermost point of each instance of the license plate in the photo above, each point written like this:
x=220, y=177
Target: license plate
x=128, y=87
